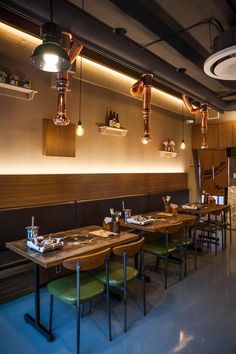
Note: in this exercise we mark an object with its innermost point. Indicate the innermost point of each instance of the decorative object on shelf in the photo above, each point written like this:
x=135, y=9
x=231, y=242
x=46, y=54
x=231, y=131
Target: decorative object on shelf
x=62, y=81
x=3, y=76
x=14, y=80
x=80, y=129
x=182, y=145
x=113, y=120
x=112, y=131
x=143, y=87
x=50, y=55
x=25, y=84
x=203, y=109
x=168, y=145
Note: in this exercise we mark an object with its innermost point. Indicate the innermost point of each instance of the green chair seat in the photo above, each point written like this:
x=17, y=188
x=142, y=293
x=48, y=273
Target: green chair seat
x=116, y=274
x=159, y=248
x=65, y=288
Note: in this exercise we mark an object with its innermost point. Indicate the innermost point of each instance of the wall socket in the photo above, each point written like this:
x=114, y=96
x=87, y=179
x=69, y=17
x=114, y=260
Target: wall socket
x=58, y=268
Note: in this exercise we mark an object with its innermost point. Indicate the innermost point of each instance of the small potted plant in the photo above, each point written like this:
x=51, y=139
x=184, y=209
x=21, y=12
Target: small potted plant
x=14, y=80
x=3, y=76
x=26, y=84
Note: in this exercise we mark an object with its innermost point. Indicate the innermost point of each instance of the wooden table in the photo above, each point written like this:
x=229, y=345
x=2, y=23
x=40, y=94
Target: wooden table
x=56, y=257
x=203, y=210
x=162, y=219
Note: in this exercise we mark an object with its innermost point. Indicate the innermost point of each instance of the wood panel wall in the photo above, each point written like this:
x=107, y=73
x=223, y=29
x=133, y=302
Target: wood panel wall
x=26, y=190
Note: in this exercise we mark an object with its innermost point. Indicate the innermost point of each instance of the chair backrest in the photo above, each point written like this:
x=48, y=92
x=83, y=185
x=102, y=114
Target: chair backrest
x=131, y=249
x=171, y=228
x=87, y=262
x=226, y=208
x=190, y=223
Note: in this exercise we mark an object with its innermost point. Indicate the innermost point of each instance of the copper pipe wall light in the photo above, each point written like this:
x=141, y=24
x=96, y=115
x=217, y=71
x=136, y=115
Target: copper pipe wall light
x=203, y=109
x=143, y=87
x=62, y=81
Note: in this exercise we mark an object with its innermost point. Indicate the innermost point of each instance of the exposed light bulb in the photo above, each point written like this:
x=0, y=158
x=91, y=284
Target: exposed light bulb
x=182, y=145
x=79, y=129
x=145, y=139
x=50, y=62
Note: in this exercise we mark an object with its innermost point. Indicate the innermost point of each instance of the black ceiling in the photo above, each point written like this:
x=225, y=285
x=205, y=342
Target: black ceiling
x=147, y=21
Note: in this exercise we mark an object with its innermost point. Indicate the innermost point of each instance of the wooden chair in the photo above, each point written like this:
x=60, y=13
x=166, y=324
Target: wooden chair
x=163, y=248
x=121, y=273
x=76, y=289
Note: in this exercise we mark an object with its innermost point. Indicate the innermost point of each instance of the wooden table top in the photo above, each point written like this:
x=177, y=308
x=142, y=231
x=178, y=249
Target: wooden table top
x=51, y=258
x=203, y=210
x=162, y=220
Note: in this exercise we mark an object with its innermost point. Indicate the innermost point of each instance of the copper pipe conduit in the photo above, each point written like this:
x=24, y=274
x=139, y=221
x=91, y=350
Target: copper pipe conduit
x=203, y=109
x=143, y=87
x=62, y=81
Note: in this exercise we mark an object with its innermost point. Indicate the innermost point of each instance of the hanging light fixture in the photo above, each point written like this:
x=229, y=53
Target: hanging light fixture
x=80, y=129
x=182, y=145
x=143, y=87
x=50, y=56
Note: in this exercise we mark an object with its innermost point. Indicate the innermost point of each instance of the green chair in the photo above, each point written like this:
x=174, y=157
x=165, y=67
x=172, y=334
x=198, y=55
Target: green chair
x=121, y=273
x=76, y=289
x=163, y=248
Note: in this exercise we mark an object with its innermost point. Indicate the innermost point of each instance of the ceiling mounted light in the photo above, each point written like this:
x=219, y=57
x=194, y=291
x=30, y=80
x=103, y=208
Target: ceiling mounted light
x=50, y=56
x=222, y=63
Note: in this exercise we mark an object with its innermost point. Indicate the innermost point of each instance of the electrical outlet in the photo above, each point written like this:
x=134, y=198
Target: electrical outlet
x=58, y=268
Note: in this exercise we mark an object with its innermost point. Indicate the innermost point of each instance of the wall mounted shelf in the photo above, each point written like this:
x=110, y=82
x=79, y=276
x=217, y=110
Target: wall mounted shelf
x=16, y=91
x=112, y=131
x=168, y=153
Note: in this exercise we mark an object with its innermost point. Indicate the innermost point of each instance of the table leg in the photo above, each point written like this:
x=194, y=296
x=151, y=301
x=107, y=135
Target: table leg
x=35, y=321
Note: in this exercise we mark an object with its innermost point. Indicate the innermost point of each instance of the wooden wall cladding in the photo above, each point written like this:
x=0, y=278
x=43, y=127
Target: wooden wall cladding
x=58, y=140
x=26, y=190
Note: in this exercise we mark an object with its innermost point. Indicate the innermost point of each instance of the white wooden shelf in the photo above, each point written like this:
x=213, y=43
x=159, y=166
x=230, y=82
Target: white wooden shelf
x=16, y=91
x=112, y=131
x=168, y=153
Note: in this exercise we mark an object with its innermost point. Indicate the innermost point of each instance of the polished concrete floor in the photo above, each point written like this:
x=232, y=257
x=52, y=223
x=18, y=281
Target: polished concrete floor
x=194, y=316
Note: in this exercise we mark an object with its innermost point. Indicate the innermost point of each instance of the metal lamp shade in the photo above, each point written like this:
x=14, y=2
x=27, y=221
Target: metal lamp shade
x=51, y=57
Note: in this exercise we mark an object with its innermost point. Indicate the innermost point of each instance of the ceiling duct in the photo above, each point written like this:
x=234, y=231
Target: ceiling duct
x=222, y=63
x=100, y=38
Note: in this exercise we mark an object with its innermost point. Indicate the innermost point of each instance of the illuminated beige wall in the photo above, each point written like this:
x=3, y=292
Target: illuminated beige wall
x=21, y=128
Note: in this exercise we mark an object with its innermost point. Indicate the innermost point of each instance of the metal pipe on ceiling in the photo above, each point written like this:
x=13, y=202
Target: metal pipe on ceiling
x=97, y=36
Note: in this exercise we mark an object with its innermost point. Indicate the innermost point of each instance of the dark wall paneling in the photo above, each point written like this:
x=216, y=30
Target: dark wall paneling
x=26, y=190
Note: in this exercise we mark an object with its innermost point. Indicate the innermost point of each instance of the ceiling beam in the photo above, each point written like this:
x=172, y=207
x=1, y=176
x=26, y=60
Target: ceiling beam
x=151, y=15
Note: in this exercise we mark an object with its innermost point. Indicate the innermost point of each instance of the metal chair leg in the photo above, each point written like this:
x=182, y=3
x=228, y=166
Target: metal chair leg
x=78, y=309
x=125, y=292
x=144, y=286
x=108, y=300
x=50, y=313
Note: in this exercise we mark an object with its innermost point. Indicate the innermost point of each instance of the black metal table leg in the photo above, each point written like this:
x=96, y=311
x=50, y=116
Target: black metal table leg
x=35, y=321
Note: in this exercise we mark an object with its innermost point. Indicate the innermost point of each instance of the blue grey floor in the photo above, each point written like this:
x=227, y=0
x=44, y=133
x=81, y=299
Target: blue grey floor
x=195, y=316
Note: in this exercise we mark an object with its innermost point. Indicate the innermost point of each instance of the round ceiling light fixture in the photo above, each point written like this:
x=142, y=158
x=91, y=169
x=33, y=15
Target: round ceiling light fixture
x=222, y=64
